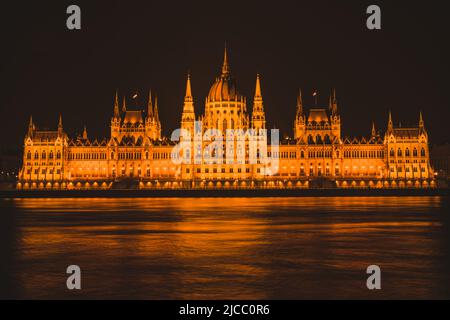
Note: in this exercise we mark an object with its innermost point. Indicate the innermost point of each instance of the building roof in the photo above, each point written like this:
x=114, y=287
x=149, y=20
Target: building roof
x=133, y=117
x=406, y=132
x=318, y=115
x=45, y=135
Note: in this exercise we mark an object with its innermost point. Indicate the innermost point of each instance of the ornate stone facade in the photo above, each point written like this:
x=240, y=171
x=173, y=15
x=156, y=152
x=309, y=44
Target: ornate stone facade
x=137, y=156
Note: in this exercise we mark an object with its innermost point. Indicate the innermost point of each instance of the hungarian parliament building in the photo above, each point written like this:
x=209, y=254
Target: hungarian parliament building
x=137, y=156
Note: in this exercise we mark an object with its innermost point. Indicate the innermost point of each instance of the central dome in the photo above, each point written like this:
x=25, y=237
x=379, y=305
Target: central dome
x=224, y=88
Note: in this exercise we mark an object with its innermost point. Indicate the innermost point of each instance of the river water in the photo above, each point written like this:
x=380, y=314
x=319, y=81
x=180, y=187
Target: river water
x=226, y=248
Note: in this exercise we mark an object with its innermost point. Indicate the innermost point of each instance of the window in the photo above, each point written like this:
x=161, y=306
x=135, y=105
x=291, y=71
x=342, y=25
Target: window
x=28, y=155
x=422, y=152
x=399, y=152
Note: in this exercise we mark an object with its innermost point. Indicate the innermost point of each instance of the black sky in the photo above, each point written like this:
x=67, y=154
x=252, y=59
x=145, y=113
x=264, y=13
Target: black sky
x=134, y=45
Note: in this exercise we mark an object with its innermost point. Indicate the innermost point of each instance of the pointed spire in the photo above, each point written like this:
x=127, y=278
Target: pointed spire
x=333, y=102
x=188, y=96
x=149, y=105
x=60, y=125
x=225, y=66
x=124, y=104
x=116, y=105
x=374, y=132
x=421, y=123
x=85, y=135
x=390, y=125
x=30, y=126
x=258, y=88
x=155, y=111
x=299, y=103
x=188, y=114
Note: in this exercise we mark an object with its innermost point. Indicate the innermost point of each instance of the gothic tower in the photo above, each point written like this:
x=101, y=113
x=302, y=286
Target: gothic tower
x=188, y=115
x=258, y=115
x=299, y=123
x=334, y=116
x=115, y=120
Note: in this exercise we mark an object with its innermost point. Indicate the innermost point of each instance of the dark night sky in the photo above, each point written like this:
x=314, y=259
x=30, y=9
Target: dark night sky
x=46, y=69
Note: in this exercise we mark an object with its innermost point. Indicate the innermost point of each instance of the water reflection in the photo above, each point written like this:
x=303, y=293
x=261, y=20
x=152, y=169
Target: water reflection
x=249, y=248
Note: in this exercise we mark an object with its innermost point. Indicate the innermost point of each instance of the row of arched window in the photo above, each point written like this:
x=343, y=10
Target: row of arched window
x=407, y=152
x=43, y=155
x=363, y=154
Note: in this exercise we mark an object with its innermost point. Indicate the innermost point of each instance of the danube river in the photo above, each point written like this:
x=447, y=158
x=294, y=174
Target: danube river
x=225, y=248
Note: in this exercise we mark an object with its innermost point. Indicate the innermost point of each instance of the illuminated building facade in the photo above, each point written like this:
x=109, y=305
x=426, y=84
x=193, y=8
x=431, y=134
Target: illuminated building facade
x=137, y=156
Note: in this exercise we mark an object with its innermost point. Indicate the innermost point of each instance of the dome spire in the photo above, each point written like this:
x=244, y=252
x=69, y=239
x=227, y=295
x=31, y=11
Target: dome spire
x=225, y=66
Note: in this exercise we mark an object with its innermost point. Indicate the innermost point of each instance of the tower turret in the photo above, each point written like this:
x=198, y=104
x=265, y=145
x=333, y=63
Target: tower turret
x=374, y=132
x=299, y=123
x=124, y=104
x=149, y=106
x=333, y=104
x=85, y=134
x=60, y=126
x=188, y=114
x=258, y=115
x=116, y=106
x=30, y=127
x=390, y=126
x=115, y=120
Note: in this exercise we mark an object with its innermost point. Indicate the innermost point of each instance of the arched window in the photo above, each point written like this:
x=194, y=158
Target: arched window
x=29, y=155
x=415, y=152
x=43, y=155
x=392, y=153
x=407, y=152
x=50, y=156
x=319, y=139
x=399, y=152
x=422, y=152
